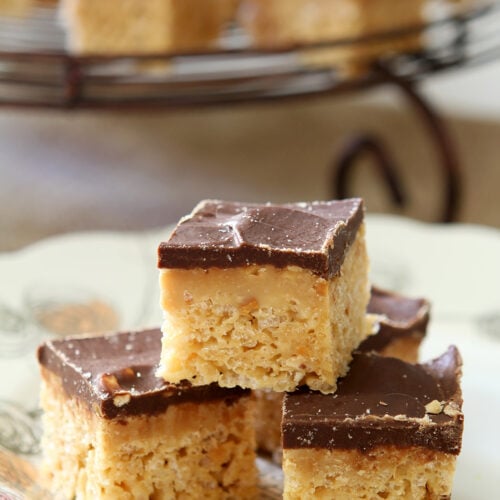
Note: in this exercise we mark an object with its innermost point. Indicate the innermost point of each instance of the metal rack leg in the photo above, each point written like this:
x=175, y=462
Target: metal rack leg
x=438, y=133
x=448, y=157
x=359, y=146
x=73, y=88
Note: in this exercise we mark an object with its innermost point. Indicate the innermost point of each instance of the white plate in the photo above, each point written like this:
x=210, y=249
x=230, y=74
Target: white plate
x=109, y=281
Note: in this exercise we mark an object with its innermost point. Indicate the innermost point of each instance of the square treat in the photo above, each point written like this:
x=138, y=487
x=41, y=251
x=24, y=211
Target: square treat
x=15, y=7
x=280, y=23
x=400, y=326
x=142, y=27
x=264, y=296
x=113, y=430
x=392, y=430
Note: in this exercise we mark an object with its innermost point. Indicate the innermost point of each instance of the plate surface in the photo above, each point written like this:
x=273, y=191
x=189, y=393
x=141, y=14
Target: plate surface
x=109, y=281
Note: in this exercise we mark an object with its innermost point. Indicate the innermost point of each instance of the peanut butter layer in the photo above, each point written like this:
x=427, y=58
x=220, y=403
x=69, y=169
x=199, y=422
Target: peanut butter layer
x=389, y=472
x=221, y=234
x=115, y=374
x=399, y=317
x=190, y=451
x=381, y=401
x=263, y=327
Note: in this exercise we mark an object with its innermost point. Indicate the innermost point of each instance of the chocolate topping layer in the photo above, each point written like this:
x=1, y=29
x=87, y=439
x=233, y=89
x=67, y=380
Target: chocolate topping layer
x=115, y=374
x=381, y=401
x=400, y=316
x=314, y=236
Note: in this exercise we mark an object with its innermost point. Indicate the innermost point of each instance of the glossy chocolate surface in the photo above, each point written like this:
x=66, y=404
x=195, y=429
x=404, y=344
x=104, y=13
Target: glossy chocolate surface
x=115, y=374
x=400, y=317
x=314, y=236
x=381, y=401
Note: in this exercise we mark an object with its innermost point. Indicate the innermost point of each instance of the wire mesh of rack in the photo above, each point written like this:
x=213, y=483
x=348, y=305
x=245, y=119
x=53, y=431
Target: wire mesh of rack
x=37, y=71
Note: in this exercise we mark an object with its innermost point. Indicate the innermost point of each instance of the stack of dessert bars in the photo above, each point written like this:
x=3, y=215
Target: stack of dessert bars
x=272, y=337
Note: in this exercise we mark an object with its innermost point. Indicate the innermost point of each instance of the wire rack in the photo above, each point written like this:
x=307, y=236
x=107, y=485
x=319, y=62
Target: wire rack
x=37, y=71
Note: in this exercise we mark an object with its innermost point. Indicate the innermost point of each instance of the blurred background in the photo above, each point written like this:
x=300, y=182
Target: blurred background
x=99, y=129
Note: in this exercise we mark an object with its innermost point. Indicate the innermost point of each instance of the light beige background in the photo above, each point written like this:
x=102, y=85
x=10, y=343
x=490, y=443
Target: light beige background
x=62, y=171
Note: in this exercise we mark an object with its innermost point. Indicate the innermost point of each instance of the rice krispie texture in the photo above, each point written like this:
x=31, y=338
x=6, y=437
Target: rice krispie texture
x=281, y=23
x=113, y=430
x=400, y=324
x=264, y=296
x=143, y=27
x=392, y=430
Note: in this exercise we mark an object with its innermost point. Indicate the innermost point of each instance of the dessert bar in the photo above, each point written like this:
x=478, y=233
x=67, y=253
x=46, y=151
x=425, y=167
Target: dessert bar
x=264, y=296
x=288, y=23
x=113, y=430
x=392, y=430
x=15, y=7
x=143, y=27
x=400, y=324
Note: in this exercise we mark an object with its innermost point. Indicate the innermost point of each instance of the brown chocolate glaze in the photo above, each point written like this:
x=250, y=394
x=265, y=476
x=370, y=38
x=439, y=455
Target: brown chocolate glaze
x=222, y=234
x=97, y=369
x=381, y=401
x=400, y=317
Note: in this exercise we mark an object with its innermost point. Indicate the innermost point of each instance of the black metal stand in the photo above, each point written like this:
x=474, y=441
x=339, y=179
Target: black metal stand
x=439, y=135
